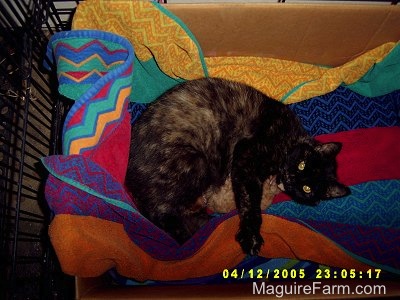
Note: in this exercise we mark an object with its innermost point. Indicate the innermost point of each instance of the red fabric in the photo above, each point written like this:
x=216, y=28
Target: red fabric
x=115, y=150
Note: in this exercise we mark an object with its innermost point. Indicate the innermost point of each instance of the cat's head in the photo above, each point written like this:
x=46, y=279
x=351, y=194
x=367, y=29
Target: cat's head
x=309, y=174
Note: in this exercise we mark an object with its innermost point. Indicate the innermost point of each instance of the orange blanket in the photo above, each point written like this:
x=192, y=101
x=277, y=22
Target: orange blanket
x=90, y=246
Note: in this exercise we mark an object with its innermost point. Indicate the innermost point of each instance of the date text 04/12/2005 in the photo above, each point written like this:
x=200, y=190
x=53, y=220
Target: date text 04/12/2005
x=300, y=274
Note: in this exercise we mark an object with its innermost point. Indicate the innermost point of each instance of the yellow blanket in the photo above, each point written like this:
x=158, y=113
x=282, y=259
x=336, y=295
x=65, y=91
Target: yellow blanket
x=157, y=34
x=290, y=81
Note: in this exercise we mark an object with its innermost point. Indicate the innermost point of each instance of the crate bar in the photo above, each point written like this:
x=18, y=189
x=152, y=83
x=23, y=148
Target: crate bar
x=27, y=196
x=23, y=186
x=15, y=15
x=28, y=216
x=37, y=119
x=9, y=128
x=15, y=159
x=28, y=50
x=43, y=116
x=43, y=93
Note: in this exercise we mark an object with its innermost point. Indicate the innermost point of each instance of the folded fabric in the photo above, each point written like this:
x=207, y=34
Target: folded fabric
x=97, y=245
x=97, y=225
x=344, y=109
x=373, y=203
x=166, y=52
x=373, y=73
x=87, y=72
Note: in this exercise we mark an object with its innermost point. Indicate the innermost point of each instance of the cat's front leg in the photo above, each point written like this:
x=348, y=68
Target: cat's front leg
x=247, y=188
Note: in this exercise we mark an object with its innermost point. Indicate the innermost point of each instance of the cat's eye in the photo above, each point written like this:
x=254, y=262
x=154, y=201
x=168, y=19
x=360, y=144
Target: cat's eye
x=301, y=165
x=306, y=189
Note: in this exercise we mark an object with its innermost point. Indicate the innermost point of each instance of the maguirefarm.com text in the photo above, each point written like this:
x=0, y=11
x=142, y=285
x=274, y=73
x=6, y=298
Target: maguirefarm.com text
x=316, y=287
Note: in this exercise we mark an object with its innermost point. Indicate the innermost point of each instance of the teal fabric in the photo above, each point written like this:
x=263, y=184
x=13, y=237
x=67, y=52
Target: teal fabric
x=382, y=78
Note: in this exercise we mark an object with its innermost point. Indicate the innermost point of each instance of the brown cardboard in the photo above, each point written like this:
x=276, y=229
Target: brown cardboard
x=320, y=34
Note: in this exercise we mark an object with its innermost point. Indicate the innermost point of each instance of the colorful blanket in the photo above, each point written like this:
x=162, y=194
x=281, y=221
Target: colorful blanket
x=97, y=226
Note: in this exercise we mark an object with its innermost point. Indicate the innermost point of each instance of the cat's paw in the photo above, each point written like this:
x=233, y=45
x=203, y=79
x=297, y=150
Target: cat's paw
x=249, y=241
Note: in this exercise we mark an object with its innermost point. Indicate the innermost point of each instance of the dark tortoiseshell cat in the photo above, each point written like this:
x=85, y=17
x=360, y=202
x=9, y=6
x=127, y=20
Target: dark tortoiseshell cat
x=202, y=131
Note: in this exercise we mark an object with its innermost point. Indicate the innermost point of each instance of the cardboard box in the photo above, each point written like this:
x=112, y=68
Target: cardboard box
x=319, y=34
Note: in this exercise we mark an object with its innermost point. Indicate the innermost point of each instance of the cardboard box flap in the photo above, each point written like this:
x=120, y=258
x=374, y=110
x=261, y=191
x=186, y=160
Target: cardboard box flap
x=320, y=34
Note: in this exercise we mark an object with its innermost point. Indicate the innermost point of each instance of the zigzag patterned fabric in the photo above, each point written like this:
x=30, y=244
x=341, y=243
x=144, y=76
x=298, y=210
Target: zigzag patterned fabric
x=373, y=203
x=379, y=243
x=98, y=227
x=343, y=110
x=166, y=51
x=94, y=61
x=374, y=73
x=150, y=28
x=274, y=77
x=91, y=70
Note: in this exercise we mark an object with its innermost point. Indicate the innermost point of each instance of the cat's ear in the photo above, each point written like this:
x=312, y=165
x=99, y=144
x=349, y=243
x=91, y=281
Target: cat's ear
x=329, y=149
x=336, y=190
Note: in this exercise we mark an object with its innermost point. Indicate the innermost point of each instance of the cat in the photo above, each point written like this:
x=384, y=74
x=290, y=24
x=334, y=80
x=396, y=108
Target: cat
x=199, y=133
x=222, y=199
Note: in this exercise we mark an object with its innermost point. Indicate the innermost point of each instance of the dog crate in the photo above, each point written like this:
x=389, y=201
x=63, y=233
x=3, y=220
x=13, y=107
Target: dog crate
x=30, y=118
x=31, y=115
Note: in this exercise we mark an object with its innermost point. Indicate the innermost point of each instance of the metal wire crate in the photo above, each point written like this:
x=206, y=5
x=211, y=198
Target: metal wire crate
x=30, y=118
